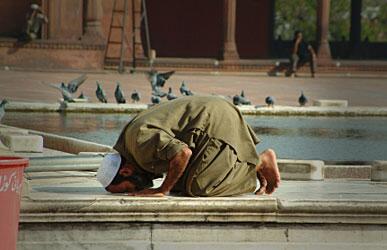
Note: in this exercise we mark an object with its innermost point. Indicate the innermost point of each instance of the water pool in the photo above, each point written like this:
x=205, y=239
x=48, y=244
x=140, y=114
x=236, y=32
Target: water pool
x=319, y=138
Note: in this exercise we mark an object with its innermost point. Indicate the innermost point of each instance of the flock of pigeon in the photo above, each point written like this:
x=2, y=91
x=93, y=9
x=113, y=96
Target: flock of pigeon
x=242, y=100
x=157, y=81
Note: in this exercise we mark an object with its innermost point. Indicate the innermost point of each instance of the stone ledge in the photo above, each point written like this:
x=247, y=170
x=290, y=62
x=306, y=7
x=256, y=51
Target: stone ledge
x=246, y=110
x=12, y=130
x=379, y=171
x=23, y=143
x=301, y=169
x=214, y=236
x=362, y=172
x=64, y=163
x=203, y=210
x=102, y=107
x=330, y=103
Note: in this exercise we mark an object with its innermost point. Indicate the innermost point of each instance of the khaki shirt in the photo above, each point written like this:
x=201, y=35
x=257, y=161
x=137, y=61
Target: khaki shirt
x=154, y=136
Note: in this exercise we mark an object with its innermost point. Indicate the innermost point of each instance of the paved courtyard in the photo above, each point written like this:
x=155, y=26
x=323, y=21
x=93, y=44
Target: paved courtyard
x=366, y=90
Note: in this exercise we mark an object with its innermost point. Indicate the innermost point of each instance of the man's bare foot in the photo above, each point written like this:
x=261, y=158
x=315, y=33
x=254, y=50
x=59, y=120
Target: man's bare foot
x=268, y=169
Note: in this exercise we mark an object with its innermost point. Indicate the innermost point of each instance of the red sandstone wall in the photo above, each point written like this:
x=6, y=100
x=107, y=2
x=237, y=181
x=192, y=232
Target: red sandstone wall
x=13, y=16
x=252, y=28
x=185, y=28
x=43, y=58
x=65, y=19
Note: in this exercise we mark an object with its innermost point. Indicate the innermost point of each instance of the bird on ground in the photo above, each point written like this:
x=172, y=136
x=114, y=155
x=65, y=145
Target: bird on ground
x=184, y=90
x=66, y=95
x=269, y=101
x=302, y=100
x=73, y=85
x=157, y=92
x=158, y=79
x=170, y=95
x=236, y=100
x=118, y=94
x=2, y=110
x=155, y=99
x=241, y=99
x=82, y=96
x=100, y=93
x=135, y=96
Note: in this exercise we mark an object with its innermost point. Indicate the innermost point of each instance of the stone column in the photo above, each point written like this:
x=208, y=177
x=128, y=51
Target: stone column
x=229, y=50
x=137, y=14
x=323, y=50
x=355, y=32
x=93, y=28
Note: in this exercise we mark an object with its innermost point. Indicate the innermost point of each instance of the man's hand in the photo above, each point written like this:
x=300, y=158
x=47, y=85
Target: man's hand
x=150, y=192
x=176, y=168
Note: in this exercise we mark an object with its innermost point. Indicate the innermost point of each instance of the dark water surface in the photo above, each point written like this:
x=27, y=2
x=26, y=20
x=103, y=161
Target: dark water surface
x=320, y=138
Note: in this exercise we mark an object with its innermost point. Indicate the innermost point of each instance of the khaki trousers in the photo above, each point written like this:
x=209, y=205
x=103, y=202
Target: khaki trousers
x=215, y=170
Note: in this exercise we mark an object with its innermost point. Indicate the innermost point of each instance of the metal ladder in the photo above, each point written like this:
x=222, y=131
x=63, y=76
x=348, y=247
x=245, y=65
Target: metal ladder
x=123, y=13
x=121, y=26
x=137, y=28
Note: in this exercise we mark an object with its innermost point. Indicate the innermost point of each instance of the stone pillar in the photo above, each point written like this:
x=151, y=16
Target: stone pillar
x=93, y=28
x=355, y=32
x=229, y=50
x=138, y=48
x=323, y=49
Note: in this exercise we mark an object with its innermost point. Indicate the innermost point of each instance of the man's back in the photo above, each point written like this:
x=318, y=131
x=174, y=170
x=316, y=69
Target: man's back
x=175, y=120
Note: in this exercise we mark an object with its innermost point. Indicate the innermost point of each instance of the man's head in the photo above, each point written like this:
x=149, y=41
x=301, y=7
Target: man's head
x=118, y=176
x=35, y=6
x=298, y=34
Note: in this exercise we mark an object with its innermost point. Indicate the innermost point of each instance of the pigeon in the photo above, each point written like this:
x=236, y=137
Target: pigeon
x=241, y=99
x=158, y=79
x=236, y=100
x=155, y=99
x=135, y=96
x=82, y=96
x=184, y=90
x=100, y=93
x=73, y=85
x=119, y=95
x=157, y=92
x=66, y=95
x=269, y=101
x=2, y=111
x=170, y=95
x=302, y=100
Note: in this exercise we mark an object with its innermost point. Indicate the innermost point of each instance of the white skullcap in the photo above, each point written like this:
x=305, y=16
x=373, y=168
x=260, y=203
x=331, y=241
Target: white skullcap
x=108, y=169
x=34, y=6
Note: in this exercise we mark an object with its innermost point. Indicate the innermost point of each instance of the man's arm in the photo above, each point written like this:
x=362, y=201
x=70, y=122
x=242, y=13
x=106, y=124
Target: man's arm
x=177, y=165
x=295, y=46
x=311, y=51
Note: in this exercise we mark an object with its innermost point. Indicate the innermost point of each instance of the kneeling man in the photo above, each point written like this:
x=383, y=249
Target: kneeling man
x=201, y=143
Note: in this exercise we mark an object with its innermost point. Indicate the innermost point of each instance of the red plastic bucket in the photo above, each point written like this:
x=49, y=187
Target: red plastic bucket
x=11, y=182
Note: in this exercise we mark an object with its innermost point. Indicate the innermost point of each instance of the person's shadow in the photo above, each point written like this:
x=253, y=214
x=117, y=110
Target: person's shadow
x=280, y=68
x=19, y=43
